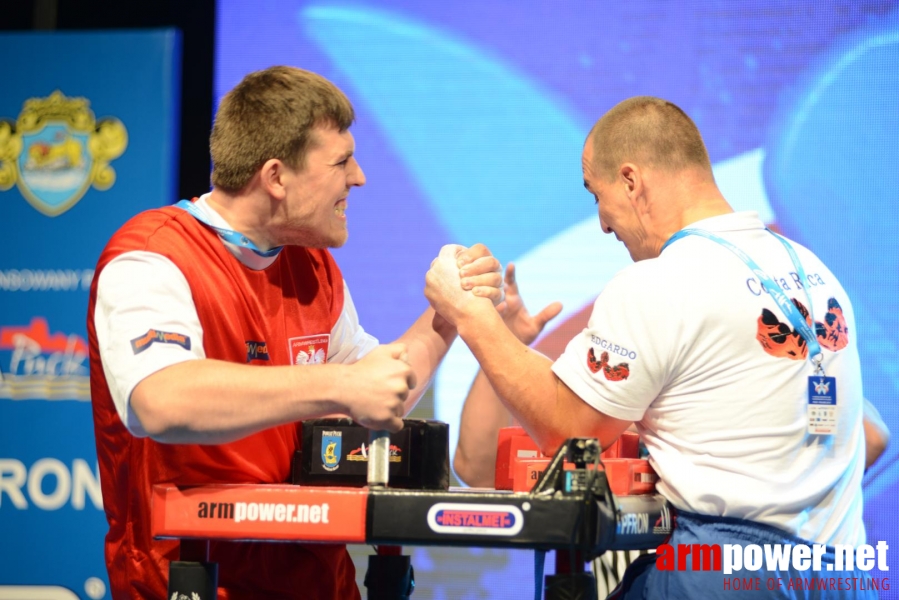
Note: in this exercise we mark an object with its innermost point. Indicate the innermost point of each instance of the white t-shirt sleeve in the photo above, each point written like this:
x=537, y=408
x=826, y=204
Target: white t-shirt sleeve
x=349, y=342
x=617, y=365
x=146, y=320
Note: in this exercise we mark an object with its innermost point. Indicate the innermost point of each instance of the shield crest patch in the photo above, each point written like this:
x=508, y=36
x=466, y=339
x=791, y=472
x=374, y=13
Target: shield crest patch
x=331, y=448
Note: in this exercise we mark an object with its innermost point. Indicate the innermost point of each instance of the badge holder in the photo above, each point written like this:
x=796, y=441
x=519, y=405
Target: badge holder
x=821, y=409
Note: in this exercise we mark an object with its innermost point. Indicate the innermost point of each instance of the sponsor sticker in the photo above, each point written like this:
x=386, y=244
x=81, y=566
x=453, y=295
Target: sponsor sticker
x=256, y=351
x=360, y=454
x=153, y=336
x=475, y=519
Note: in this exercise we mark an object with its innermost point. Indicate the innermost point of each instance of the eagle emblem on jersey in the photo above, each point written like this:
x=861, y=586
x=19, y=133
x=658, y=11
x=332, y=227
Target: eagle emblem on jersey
x=616, y=373
x=310, y=356
x=309, y=349
x=780, y=340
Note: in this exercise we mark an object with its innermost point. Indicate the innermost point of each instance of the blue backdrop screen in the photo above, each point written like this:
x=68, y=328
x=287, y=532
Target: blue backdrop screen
x=88, y=139
x=471, y=119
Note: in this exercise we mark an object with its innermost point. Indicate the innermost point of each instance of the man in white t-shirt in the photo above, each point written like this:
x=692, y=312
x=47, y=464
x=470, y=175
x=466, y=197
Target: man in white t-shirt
x=695, y=345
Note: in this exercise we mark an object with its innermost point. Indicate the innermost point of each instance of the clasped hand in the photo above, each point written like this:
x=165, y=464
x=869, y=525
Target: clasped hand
x=461, y=279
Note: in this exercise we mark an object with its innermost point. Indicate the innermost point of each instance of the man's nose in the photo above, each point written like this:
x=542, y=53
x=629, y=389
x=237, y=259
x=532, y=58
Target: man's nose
x=357, y=177
x=604, y=226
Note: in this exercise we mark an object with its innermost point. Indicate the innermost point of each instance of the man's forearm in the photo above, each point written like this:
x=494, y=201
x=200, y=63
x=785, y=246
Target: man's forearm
x=483, y=415
x=522, y=377
x=213, y=402
x=428, y=340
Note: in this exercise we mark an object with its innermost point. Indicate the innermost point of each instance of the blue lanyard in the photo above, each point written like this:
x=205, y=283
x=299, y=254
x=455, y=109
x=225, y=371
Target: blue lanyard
x=784, y=302
x=228, y=235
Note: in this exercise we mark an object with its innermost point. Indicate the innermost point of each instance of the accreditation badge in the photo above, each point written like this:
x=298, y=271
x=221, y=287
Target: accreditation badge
x=822, y=405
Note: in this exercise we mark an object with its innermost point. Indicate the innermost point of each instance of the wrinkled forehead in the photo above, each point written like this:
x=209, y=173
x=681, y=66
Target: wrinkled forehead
x=587, y=162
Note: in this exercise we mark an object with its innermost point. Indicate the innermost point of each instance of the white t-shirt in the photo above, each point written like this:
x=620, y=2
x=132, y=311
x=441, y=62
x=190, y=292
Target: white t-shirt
x=724, y=419
x=138, y=291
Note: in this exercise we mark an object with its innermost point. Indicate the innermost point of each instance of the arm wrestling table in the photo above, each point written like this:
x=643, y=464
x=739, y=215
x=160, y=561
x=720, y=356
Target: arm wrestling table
x=571, y=509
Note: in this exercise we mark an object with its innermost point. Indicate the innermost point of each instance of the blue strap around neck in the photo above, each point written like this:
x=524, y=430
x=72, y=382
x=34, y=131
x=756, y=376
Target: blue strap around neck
x=782, y=300
x=238, y=239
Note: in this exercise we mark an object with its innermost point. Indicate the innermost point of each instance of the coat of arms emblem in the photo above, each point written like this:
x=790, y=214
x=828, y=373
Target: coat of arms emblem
x=56, y=150
x=331, y=447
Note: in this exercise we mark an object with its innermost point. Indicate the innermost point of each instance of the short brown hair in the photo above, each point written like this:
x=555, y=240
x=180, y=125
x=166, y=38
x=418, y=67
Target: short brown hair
x=271, y=114
x=647, y=130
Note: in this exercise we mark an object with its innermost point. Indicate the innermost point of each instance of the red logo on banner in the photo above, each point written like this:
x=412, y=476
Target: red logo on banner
x=260, y=512
x=41, y=365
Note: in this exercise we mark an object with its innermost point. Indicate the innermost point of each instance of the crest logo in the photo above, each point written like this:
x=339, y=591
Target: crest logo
x=309, y=349
x=331, y=449
x=822, y=387
x=56, y=150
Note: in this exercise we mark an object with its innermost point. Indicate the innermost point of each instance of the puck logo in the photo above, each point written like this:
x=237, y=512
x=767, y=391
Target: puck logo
x=475, y=519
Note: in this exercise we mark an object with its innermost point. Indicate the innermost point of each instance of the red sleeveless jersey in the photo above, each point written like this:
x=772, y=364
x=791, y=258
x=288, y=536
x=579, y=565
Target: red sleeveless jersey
x=258, y=317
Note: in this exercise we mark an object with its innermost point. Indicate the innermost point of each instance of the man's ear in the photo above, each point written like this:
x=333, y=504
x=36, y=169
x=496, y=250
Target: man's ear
x=273, y=176
x=630, y=176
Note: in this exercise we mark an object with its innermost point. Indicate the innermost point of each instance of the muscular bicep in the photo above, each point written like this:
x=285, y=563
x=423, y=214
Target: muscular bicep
x=145, y=321
x=585, y=420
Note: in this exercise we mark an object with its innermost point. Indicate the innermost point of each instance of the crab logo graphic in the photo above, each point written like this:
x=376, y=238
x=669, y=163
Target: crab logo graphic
x=780, y=340
x=56, y=150
x=618, y=372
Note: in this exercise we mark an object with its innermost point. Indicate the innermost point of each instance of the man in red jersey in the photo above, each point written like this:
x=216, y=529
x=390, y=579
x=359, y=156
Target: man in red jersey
x=215, y=326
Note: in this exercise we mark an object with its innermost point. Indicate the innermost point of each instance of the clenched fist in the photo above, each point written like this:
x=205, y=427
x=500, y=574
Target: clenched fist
x=377, y=386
